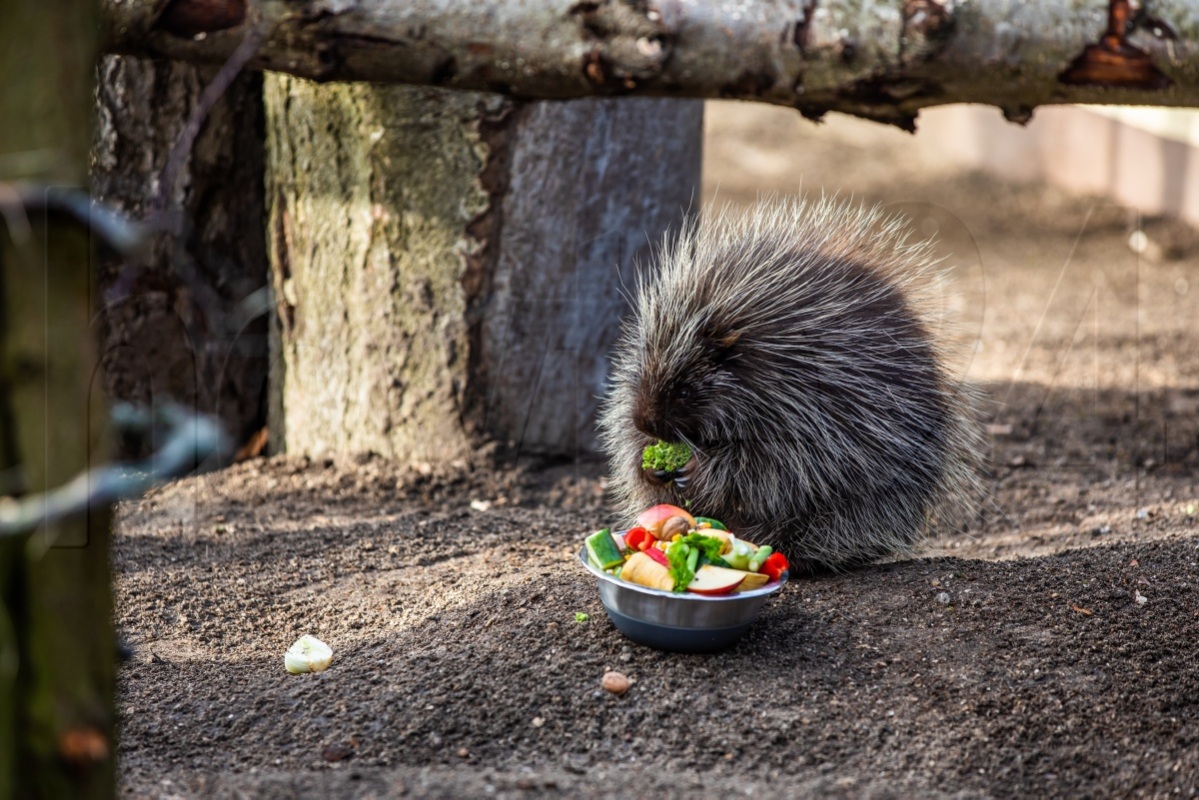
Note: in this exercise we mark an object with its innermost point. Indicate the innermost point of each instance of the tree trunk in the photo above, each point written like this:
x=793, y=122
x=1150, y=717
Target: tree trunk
x=57, y=648
x=448, y=266
x=178, y=325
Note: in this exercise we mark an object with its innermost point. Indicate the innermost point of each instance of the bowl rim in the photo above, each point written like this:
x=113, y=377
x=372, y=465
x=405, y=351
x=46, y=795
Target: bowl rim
x=687, y=597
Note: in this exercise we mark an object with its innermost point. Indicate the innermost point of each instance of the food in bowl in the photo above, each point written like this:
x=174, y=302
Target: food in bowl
x=670, y=550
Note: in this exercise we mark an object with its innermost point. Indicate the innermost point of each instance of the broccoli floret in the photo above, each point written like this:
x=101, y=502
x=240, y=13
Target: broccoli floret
x=665, y=456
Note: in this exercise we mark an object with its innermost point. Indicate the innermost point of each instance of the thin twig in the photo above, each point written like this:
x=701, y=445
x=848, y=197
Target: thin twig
x=181, y=151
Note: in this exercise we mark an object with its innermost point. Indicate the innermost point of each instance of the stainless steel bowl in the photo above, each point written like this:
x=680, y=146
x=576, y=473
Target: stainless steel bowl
x=684, y=623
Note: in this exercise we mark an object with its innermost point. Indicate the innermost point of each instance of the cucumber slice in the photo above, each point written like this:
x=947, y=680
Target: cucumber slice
x=712, y=523
x=602, y=549
x=763, y=553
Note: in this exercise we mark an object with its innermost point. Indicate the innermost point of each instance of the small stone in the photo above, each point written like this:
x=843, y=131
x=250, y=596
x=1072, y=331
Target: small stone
x=1140, y=598
x=463, y=752
x=944, y=598
x=336, y=752
x=480, y=505
x=615, y=682
x=538, y=722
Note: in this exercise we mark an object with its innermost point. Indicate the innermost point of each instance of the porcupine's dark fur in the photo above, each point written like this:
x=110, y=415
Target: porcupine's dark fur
x=788, y=349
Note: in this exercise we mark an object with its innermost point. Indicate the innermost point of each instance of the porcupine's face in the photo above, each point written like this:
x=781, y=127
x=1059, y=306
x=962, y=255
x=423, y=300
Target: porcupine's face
x=687, y=382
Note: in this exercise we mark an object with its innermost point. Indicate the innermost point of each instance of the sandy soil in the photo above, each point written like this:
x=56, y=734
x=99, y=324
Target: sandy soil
x=1049, y=652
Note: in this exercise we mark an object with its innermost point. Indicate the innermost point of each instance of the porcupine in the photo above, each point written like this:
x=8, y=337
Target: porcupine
x=788, y=348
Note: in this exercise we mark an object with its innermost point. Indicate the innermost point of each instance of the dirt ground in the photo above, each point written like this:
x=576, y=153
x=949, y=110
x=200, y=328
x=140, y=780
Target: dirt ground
x=1049, y=652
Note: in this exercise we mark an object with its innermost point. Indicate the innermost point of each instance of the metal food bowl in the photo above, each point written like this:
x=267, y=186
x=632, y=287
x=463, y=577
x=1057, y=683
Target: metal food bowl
x=683, y=623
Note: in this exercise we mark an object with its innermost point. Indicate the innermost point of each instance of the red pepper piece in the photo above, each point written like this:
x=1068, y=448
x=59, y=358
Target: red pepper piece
x=638, y=539
x=774, y=566
x=657, y=555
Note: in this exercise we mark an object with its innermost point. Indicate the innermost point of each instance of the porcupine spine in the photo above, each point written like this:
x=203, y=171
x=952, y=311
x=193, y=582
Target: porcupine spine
x=788, y=348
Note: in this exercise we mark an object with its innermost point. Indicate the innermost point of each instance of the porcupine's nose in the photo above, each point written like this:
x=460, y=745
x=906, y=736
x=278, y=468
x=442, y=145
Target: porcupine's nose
x=649, y=426
x=646, y=420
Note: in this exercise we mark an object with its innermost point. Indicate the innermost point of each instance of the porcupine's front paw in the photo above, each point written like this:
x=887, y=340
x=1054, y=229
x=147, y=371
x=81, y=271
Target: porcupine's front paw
x=678, y=477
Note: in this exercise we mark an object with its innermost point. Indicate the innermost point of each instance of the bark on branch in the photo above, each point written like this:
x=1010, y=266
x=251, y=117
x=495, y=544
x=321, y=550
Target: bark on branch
x=882, y=59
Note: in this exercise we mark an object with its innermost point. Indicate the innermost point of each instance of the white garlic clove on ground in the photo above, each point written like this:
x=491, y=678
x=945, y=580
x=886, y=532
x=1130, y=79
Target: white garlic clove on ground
x=308, y=654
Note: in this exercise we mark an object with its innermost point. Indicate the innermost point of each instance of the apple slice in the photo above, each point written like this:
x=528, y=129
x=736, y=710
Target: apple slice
x=657, y=555
x=711, y=580
x=654, y=517
x=753, y=580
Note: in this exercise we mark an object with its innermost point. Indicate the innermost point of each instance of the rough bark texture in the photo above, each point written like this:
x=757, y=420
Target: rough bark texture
x=57, y=648
x=177, y=325
x=883, y=59
x=371, y=190
x=447, y=265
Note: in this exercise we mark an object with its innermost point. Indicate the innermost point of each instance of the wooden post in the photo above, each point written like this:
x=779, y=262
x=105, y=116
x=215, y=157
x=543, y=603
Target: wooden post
x=57, y=647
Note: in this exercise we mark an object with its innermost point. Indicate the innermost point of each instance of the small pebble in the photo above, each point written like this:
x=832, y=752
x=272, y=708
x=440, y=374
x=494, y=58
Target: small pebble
x=943, y=597
x=615, y=682
x=336, y=752
x=538, y=722
x=1140, y=598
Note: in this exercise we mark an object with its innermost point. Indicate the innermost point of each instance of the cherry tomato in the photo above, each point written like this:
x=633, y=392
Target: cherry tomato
x=774, y=566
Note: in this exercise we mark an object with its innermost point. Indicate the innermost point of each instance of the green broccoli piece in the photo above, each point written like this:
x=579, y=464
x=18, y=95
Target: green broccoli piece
x=665, y=456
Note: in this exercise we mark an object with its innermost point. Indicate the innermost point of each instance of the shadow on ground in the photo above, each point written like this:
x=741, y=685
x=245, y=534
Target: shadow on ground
x=1049, y=652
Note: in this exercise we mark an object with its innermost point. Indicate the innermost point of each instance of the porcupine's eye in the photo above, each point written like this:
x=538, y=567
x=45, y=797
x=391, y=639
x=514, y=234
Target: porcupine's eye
x=685, y=411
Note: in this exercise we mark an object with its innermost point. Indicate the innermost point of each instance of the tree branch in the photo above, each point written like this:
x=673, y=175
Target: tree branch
x=881, y=59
